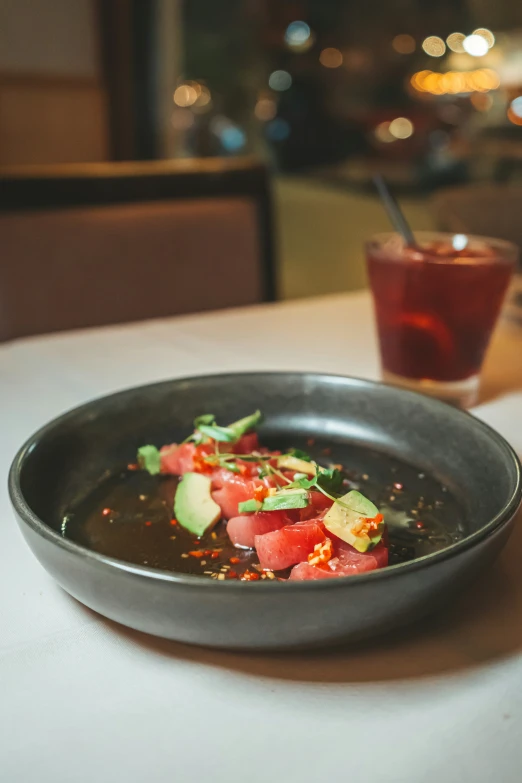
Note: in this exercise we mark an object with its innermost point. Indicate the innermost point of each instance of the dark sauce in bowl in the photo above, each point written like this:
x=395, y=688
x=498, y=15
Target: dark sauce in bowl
x=129, y=516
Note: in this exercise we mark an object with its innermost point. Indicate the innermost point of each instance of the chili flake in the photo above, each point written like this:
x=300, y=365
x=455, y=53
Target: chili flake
x=250, y=576
x=196, y=553
x=148, y=523
x=234, y=560
x=106, y=512
x=173, y=521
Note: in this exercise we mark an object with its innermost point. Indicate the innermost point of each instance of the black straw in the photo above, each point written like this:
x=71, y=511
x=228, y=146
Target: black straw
x=393, y=210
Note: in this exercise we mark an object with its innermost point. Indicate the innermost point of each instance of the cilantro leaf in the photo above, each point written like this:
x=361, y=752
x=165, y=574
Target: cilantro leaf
x=244, y=425
x=298, y=454
x=149, y=459
x=221, y=434
x=282, y=500
x=206, y=418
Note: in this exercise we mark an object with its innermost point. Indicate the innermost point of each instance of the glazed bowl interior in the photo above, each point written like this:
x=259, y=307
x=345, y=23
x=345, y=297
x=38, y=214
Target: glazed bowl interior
x=71, y=456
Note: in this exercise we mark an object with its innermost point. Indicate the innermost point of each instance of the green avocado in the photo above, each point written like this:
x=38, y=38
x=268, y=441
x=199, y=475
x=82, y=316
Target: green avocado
x=345, y=513
x=193, y=505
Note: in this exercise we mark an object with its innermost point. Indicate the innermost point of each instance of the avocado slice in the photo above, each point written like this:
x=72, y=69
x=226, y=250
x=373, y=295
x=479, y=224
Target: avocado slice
x=345, y=513
x=288, y=462
x=194, y=507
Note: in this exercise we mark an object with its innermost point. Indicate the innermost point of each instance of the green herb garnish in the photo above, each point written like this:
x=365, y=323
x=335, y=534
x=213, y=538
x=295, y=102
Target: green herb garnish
x=149, y=459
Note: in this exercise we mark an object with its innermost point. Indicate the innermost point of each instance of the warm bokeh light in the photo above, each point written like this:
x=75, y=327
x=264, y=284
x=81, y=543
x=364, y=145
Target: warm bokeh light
x=331, y=58
x=401, y=128
x=186, y=95
x=182, y=119
x=481, y=101
x=486, y=34
x=514, y=118
x=454, y=41
x=475, y=45
x=516, y=106
x=204, y=97
x=265, y=109
x=280, y=81
x=404, y=44
x=382, y=133
x=455, y=82
x=434, y=46
x=298, y=36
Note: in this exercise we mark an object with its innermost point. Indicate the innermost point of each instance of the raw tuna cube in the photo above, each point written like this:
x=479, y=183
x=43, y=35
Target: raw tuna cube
x=177, y=460
x=242, y=530
x=231, y=490
x=246, y=444
x=362, y=561
x=304, y=571
x=292, y=544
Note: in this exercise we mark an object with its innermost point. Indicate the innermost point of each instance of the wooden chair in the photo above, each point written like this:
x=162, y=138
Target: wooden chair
x=96, y=244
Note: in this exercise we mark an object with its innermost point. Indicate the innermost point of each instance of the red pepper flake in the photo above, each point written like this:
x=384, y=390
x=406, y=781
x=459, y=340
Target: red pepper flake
x=173, y=521
x=106, y=512
x=148, y=523
x=234, y=560
x=327, y=451
x=196, y=553
x=215, y=554
x=419, y=525
x=260, y=493
x=310, y=442
x=133, y=466
x=250, y=576
x=232, y=575
x=207, y=552
x=397, y=486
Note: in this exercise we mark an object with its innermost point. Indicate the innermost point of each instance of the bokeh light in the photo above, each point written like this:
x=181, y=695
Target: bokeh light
x=265, y=109
x=514, y=118
x=278, y=129
x=401, y=128
x=481, y=101
x=280, y=81
x=516, y=106
x=298, y=36
x=475, y=45
x=331, y=57
x=382, y=133
x=454, y=41
x=182, y=119
x=434, y=46
x=404, y=43
x=486, y=34
x=185, y=95
x=455, y=82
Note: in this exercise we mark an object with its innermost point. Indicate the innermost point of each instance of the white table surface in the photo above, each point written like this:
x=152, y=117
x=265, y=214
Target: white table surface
x=85, y=700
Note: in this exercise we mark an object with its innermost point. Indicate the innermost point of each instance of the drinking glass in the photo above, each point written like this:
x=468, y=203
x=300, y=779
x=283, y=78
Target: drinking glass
x=436, y=305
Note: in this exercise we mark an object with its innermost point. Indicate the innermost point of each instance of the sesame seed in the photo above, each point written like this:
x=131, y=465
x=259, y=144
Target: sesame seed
x=203, y=562
x=184, y=554
x=221, y=577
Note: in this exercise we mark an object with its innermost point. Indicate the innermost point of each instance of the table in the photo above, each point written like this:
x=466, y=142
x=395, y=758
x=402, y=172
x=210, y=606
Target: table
x=84, y=700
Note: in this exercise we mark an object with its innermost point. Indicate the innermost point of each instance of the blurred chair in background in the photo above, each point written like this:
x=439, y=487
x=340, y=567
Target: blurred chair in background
x=96, y=244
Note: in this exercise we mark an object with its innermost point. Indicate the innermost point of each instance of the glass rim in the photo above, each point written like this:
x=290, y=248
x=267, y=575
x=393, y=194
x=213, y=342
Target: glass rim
x=505, y=252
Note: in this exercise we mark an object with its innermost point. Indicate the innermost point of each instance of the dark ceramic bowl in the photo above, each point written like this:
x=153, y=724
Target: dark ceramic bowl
x=67, y=458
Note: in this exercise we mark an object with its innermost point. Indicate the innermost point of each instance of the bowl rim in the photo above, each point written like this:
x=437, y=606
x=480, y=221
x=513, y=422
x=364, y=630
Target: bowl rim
x=29, y=518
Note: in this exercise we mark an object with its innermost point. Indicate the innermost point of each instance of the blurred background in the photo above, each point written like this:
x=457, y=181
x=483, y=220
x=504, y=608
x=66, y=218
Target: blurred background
x=326, y=92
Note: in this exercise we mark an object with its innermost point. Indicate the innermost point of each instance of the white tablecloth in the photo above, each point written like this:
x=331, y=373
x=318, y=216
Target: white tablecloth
x=83, y=700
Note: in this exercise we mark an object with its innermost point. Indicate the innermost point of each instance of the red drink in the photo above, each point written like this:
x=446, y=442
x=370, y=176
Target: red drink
x=436, y=307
